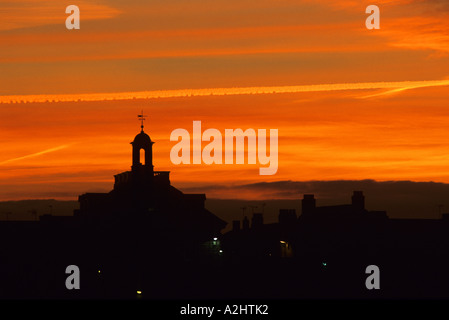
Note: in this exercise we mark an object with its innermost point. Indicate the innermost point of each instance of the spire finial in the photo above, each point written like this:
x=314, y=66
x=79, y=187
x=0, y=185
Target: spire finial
x=142, y=118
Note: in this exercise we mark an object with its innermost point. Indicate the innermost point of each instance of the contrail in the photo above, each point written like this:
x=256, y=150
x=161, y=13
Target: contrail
x=34, y=154
x=393, y=86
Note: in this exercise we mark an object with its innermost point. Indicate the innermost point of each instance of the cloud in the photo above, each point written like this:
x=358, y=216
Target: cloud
x=398, y=85
x=405, y=24
x=31, y=13
x=422, y=29
x=34, y=154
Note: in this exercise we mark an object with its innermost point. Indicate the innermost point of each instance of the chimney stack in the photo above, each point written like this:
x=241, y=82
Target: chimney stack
x=245, y=223
x=257, y=220
x=308, y=204
x=358, y=200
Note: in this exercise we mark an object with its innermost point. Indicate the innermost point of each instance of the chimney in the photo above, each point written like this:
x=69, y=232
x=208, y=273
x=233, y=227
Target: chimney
x=257, y=220
x=308, y=204
x=358, y=200
x=245, y=224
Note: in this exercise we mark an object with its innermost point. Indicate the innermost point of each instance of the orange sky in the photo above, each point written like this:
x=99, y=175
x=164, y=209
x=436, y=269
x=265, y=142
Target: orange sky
x=127, y=49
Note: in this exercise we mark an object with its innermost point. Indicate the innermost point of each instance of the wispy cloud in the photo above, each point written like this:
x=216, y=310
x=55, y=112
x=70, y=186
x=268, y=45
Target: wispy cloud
x=414, y=85
x=393, y=86
x=34, y=154
x=32, y=13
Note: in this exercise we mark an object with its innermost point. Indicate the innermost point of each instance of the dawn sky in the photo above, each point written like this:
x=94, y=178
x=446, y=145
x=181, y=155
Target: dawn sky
x=349, y=103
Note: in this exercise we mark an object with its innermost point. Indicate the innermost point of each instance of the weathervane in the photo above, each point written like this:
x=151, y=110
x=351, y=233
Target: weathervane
x=142, y=118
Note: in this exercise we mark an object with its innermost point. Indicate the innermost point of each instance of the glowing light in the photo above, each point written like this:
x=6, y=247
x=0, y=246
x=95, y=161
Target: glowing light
x=99, y=271
x=139, y=292
x=221, y=251
x=283, y=242
x=215, y=239
x=324, y=264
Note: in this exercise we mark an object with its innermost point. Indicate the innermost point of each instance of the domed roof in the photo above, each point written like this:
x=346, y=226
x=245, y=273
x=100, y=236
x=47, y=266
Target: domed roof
x=142, y=138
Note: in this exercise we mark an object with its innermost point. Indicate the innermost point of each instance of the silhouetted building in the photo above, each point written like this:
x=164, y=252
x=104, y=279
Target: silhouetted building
x=137, y=235
x=145, y=195
x=354, y=210
x=358, y=200
x=257, y=220
x=146, y=235
x=308, y=204
x=245, y=223
x=319, y=229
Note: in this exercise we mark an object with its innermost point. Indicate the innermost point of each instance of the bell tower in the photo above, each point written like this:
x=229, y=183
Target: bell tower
x=142, y=141
x=142, y=175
